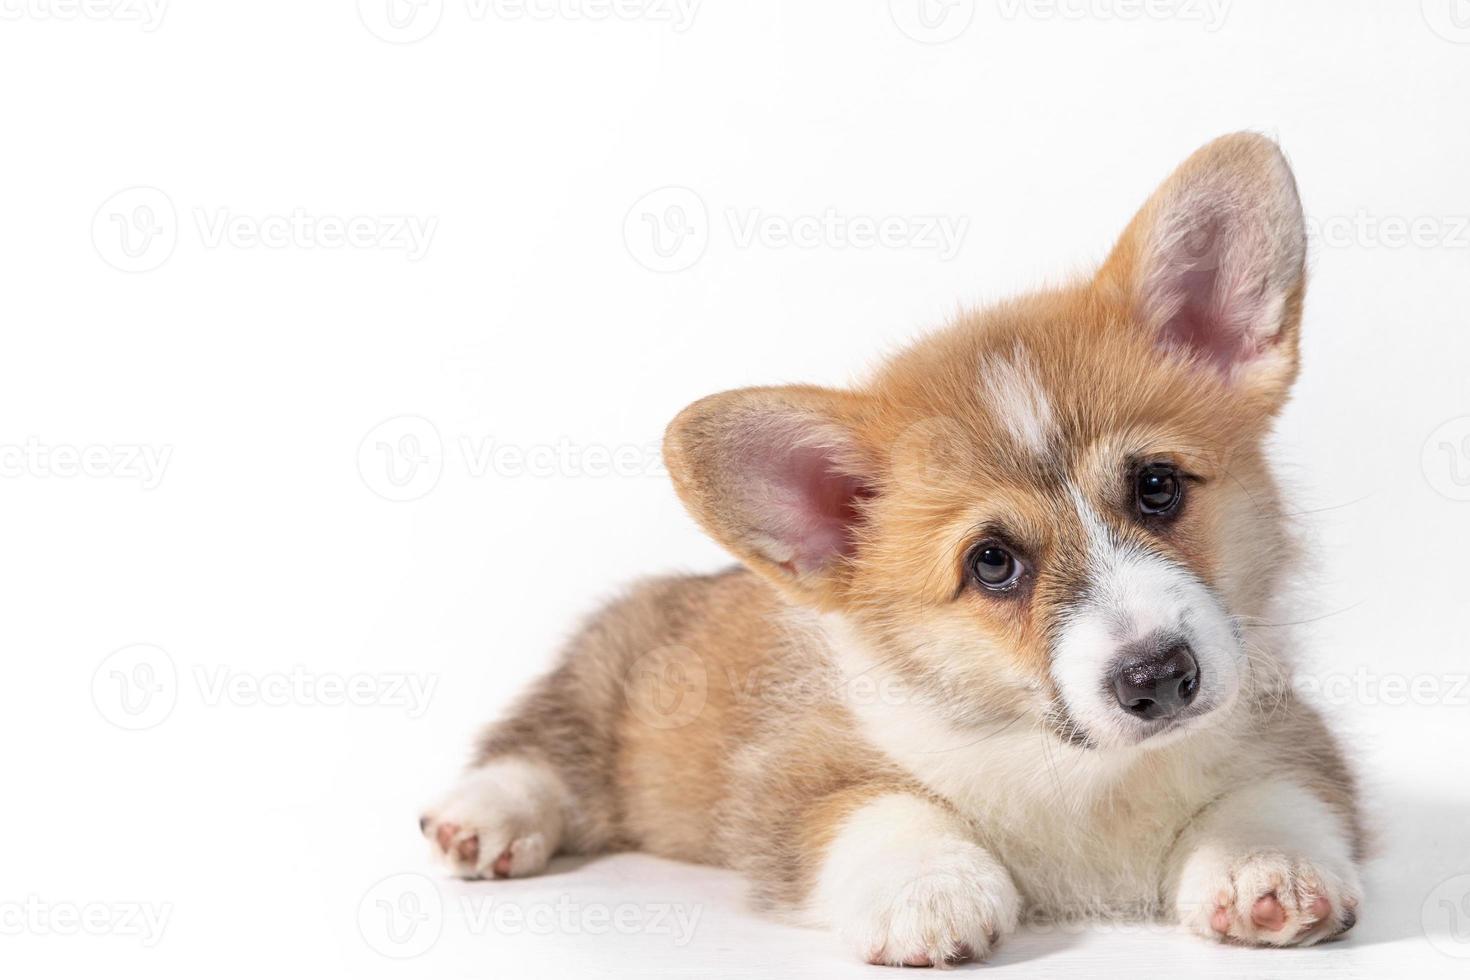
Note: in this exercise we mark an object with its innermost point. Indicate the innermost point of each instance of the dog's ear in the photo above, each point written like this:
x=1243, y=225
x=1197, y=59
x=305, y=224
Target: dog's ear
x=1213, y=265
x=779, y=477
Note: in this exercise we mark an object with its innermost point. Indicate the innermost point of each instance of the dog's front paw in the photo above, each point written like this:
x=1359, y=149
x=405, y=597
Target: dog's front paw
x=503, y=819
x=904, y=884
x=1268, y=898
x=947, y=909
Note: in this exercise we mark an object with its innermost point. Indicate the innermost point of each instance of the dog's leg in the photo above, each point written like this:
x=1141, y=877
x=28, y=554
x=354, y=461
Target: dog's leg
x=903, y=881
x=1271, y=865
x=541, y=782
x=545, y=778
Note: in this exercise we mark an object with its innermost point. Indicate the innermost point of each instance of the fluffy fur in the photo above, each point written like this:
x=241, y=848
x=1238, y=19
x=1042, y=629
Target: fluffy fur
x=888, y=748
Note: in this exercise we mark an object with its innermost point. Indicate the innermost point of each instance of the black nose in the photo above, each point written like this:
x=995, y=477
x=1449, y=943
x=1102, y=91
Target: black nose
x=1157, y=684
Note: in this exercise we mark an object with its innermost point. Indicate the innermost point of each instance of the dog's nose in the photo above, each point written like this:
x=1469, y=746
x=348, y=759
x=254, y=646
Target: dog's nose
x=1157, y=684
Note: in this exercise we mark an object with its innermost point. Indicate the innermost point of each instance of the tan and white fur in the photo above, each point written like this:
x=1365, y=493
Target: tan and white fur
x=889, y=741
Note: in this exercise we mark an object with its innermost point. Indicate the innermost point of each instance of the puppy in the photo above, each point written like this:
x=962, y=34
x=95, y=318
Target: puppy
x=1006, y=637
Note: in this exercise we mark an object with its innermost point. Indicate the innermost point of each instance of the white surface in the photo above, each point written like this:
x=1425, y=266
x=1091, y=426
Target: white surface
x=261, y=822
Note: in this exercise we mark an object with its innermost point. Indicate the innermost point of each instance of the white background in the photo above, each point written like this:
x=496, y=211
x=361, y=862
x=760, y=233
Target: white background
x=532, y=318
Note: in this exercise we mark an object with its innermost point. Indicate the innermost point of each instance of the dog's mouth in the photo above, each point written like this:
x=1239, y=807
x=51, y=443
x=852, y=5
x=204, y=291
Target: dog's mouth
x=1065, y=728
x=1138, y=732
x=1187, y=721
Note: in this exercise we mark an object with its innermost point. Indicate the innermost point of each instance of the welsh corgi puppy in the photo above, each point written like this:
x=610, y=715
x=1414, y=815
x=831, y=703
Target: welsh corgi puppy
x=1005, y=637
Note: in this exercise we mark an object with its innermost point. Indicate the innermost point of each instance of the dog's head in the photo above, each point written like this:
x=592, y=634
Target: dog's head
x=1059, y=506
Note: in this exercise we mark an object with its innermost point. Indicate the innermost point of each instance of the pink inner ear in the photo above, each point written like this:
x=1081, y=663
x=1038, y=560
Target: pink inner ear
x=1217, y=282
x=800, y=498
x=1202, y=325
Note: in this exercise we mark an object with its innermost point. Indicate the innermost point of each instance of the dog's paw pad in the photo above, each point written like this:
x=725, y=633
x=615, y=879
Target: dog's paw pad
x=1268, y=914
x=454, y=841
x=1269, y=899
x=462, y=848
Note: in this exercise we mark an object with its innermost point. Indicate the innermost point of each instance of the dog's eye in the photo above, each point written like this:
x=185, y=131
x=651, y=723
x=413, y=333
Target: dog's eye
x=1159, y=489
x=994, y=567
